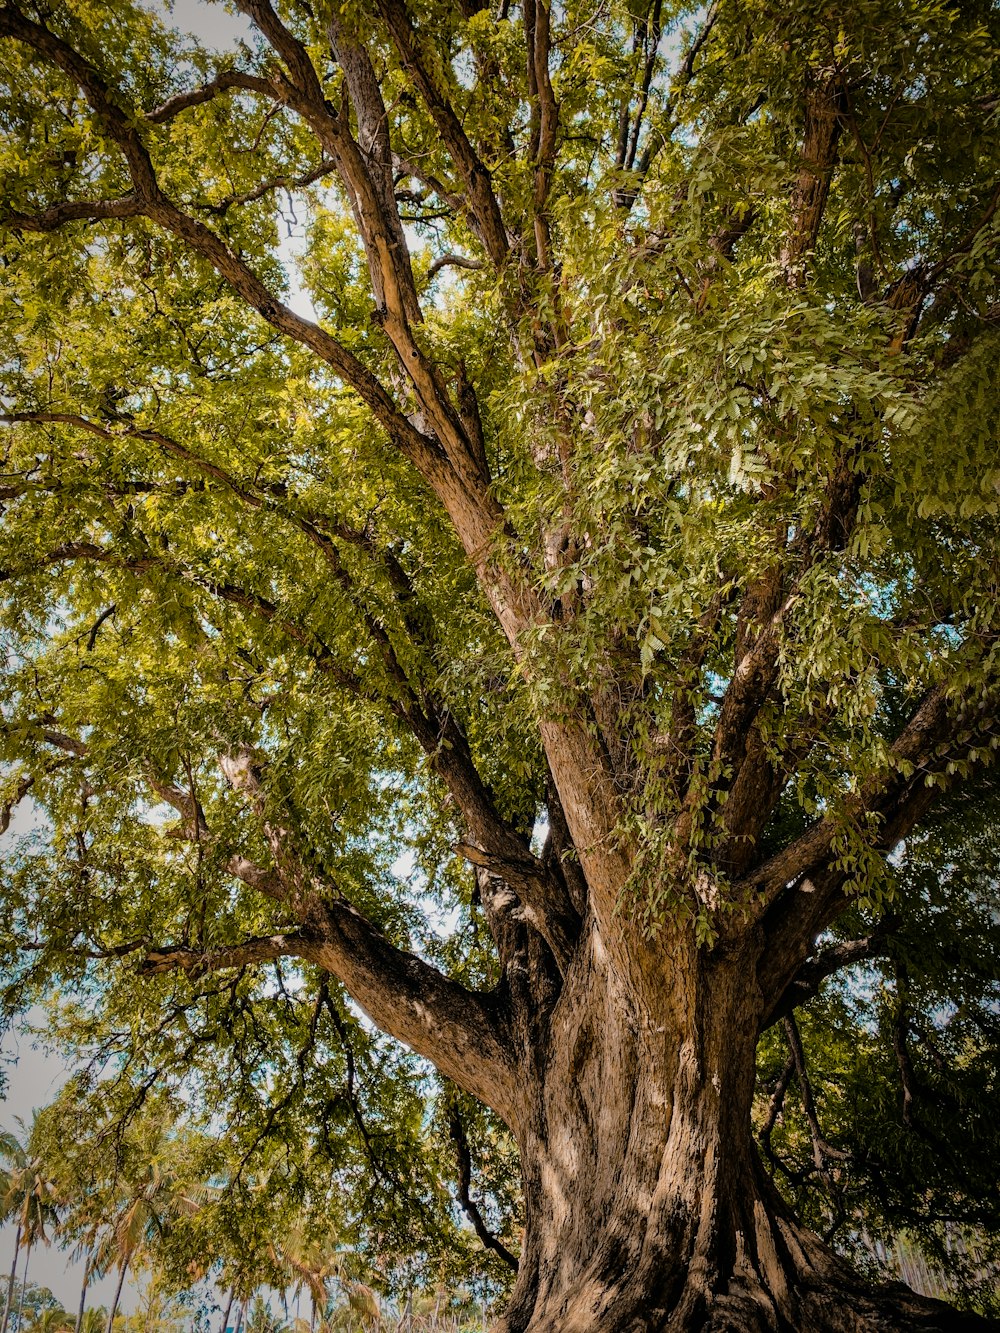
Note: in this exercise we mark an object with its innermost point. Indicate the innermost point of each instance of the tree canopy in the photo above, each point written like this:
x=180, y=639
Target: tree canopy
x=500, y=555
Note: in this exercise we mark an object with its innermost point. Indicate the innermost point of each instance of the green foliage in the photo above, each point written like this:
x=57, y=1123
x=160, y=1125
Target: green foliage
x=902, y=1058
x=211, y=547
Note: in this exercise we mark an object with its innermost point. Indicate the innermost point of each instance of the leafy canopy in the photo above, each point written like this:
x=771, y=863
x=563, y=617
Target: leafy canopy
x=722, y=351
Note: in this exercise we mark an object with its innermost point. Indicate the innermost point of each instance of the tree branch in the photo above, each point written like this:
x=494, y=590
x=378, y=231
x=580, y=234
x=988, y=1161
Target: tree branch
x=886, y=794
x=824, y=107
x=76, y=210
x=121, y=128
x=805, y=903
x=226, y=81
x=469, y=1206
x=462, y=1032
x=7, y=808
x=481, y=204
x=821, y=1150
x=901, y=1046
x=814, y=971
x=437, y=731
x=289, y=183
x=625, y=196
x=452, y=261
x=196, y=962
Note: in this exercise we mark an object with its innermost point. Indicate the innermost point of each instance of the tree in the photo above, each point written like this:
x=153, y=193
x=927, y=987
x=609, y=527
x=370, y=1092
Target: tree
x=12, y=1152
x=29, y=1199
x=51, y=1319
x=609, y=556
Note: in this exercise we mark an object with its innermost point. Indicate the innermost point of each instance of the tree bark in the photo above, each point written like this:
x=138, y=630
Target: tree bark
x=81, y=1309
x=229, y=1306
x=118, y=1295
x=646, y=1206
x=11, y=1280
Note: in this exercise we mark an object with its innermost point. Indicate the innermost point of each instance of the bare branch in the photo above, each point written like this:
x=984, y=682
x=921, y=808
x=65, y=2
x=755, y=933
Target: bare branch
x=196, y=962
x=807, y=981
x=776, y=1104
x=226, y=81
x=323, y=168
x=469, y=1206
x=452, y=261
x=76, y=210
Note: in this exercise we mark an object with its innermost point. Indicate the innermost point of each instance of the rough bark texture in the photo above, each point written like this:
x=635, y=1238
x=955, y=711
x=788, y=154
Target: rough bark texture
x=647, y=1207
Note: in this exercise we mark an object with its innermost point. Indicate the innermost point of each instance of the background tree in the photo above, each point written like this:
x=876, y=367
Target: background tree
x=29, y=1200
x=546, y=629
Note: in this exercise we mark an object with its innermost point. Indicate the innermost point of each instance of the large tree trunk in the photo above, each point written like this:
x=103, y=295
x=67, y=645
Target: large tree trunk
x=646, y=1206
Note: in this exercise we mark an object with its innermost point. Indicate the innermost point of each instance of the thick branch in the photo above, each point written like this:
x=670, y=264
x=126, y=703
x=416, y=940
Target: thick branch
x=452, y=261
x=824, y=106
x=228, y=80
x=76, y=210
x=482, y=206
x=196, y=962
x=811, y=975
x=461, y=1032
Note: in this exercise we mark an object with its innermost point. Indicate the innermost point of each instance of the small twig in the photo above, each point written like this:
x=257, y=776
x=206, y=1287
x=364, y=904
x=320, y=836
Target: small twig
x=900, y=1045
x=469, y=1206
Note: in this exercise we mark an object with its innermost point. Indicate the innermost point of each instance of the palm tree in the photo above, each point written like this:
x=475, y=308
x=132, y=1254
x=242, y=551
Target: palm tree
x=10, y=1151
x=88, y=1269
x=310, y=1263
x=54, y=1319
x=149, y=1195
x=28, y=1198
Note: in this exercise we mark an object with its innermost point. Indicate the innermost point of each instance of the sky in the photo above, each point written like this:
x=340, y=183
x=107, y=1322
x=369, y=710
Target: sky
x=211, y=22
